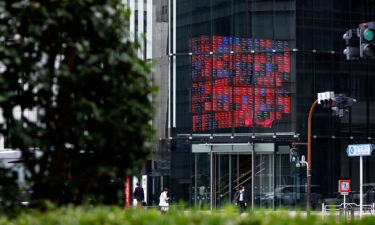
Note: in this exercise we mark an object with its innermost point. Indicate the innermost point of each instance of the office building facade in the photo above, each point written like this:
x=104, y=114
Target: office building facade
x=148, y=26
x=243, y=75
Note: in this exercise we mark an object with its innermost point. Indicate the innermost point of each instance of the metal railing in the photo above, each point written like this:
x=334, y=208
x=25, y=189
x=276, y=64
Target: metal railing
x=347, y=208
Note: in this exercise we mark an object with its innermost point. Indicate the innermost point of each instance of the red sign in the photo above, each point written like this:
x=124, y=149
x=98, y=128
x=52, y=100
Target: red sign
x=344, y=186
x=127, y=192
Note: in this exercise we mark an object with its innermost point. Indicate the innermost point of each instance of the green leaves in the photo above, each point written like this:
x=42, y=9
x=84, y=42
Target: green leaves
x=118, y=216
x=74, y=62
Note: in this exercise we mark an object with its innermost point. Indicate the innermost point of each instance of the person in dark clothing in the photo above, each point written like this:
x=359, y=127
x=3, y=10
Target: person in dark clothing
x=240, y=198
x=139, y=195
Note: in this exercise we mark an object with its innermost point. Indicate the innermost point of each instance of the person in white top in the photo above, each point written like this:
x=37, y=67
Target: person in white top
x=163, y=201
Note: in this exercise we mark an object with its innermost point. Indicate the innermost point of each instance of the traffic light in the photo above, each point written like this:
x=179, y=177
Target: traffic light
x=327, y=99
x=352, y=44
x=339, y=103
x=366, y=33
x=344, y=102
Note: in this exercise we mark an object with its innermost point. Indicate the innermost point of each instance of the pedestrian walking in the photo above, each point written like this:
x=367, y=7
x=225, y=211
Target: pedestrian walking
x=240, y=198
x=164, y=201
x=139, y=195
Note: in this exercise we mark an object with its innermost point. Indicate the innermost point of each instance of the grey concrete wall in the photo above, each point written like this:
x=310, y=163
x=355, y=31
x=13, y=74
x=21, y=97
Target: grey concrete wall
x=160, y=156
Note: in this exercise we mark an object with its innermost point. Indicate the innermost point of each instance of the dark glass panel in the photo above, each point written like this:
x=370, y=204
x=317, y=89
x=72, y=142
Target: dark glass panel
x=181, y=164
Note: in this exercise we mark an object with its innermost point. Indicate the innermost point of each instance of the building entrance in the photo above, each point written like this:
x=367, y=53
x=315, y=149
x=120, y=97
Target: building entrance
x=253, y=171
x=221, y=169
x=231, y=171
x=264, y=169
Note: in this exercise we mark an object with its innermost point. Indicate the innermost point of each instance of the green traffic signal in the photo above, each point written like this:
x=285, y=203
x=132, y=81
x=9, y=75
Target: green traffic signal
x=368, y=35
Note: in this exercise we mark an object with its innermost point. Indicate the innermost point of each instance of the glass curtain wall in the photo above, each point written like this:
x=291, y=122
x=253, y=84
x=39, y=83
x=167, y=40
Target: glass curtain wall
x=321, y=66
x=235, y=73
x=263, y=180
x=229, y=80
x=235, y=68
x=201, y=180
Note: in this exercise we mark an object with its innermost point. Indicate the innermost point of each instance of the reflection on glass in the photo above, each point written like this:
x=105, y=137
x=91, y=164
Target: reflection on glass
x=263, y=180
x=234, y=171
x=222, y=190
x=285, y=173
x=201, y=181
x=245, y=175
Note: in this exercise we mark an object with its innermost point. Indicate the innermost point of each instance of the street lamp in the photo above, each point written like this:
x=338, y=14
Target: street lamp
x=340, y=104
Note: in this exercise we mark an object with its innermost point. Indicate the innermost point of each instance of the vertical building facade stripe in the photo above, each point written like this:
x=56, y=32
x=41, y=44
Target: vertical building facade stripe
x=174, y=62
x=132, y=19
x=169, y=63
x=141, y=27
x=149, y=24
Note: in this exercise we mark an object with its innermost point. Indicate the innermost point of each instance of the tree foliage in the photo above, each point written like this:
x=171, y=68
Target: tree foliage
x=72, y=63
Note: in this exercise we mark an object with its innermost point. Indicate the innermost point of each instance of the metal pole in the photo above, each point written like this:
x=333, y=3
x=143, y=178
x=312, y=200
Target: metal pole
x=230, y=176
x=309, y=154
x=344, y=202
x=360, y=186
x=252, y=175
x=218, y=199
x=195, y=178
x=212, y=180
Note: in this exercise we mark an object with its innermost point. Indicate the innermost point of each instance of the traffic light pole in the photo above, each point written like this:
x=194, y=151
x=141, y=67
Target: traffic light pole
x=308, y=153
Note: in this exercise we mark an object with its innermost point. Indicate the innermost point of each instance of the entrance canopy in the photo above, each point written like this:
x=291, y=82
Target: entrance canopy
x=234, y=148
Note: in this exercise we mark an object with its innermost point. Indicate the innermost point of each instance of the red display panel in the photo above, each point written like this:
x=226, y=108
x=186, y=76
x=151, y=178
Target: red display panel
x=244, y=89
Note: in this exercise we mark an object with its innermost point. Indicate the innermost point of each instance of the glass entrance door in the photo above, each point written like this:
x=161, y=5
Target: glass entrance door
x=254, y=172
x=263, y=185
x=231, y=171
x=223, y=172
x=220, y=170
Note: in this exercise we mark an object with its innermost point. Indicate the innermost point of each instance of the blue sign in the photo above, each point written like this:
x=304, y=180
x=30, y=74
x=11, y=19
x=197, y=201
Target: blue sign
x=359, y=150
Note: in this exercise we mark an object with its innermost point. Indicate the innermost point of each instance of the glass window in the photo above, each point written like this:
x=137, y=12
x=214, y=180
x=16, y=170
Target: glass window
x=201, y=180
x=240, y=71
x=256, y=67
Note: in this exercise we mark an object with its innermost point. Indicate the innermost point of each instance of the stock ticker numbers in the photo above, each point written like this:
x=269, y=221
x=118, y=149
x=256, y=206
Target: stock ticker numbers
x=243, y=88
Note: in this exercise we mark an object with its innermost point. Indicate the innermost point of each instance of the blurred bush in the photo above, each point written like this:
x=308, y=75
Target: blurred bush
x=117, y=216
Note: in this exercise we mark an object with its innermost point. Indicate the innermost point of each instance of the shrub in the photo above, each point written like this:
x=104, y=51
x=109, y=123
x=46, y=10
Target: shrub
x=116, y=216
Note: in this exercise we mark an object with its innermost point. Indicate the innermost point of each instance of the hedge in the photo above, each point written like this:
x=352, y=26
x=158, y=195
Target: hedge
x=117, y=216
